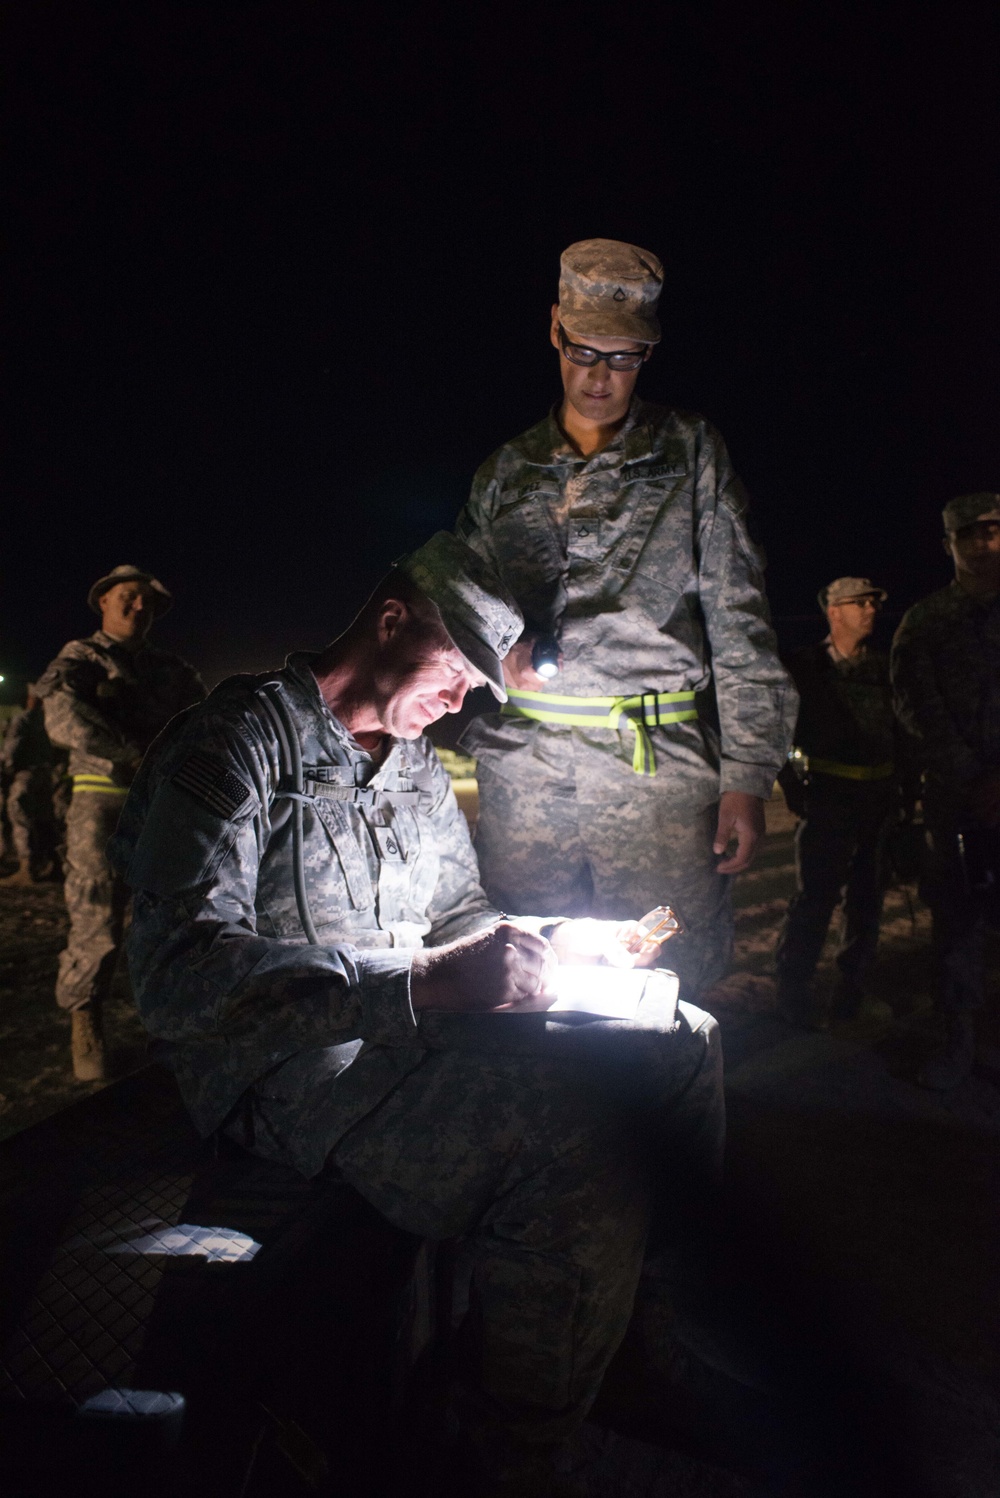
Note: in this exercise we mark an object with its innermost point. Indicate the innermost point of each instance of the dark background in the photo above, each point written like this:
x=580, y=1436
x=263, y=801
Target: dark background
x=279, y=275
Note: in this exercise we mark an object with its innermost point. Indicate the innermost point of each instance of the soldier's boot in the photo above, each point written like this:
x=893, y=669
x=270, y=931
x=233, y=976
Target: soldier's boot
x=953, y=1062
x=797, y=1005
x=88, y=1044
x=852, y=1004
x=21, y=878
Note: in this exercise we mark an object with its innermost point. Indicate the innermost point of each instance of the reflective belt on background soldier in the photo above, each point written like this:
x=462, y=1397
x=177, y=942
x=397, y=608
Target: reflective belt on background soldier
x=102, y=783
x=647, y=710
x=849, y=772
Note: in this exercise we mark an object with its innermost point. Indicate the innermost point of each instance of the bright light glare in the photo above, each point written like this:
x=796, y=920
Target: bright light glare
x=225, y=1244
x=548, y=669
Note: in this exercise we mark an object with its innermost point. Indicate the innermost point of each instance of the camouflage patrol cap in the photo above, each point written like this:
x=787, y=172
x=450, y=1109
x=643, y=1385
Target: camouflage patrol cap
x=608, y=289
x=850, y=590
x=162, y=597
x=968, y=508
x=478, y=612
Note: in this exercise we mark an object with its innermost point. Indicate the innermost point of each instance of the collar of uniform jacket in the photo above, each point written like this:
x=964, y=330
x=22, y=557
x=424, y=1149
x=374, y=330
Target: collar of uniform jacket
x=108, y=642
x=634, y=440
x=299, y=667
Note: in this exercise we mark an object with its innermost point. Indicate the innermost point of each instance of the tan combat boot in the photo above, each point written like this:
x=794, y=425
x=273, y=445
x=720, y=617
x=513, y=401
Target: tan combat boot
x=88, y=1045
x=21, y=878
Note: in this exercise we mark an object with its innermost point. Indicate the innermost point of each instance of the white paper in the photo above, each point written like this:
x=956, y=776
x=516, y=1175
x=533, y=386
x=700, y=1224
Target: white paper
x=613, y=993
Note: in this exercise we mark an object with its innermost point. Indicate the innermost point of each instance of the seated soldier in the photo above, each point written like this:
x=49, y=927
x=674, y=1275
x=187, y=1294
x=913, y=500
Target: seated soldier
x=312, y=950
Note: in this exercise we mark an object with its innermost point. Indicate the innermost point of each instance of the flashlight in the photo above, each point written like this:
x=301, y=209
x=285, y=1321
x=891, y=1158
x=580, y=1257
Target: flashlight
x=545, y=656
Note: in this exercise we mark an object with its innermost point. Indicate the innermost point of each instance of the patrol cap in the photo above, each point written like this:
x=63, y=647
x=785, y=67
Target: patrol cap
x=162, y=597
x=850, y=590
x=608, y=289
x=968, y=508
x=478, y=612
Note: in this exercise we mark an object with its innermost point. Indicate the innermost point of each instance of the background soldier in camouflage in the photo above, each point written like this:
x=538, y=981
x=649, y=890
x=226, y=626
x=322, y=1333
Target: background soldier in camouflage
x=620, y=528
x=946, y=677
x=363, y=1049
x=847, y=733
x=27, y=759
x=106, y=698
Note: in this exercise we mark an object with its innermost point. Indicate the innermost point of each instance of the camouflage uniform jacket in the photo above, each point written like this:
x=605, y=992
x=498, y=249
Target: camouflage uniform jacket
x=220, y=965
x=106, y=703
x=639, y=558
x=946, y=679
x=26, y=745
x=845, y=707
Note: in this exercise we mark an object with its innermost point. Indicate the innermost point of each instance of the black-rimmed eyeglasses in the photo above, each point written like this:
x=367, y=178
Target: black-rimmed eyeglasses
x=623, y=360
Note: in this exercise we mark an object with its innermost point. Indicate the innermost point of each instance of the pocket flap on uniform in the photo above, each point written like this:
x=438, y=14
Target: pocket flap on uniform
x=337, y=821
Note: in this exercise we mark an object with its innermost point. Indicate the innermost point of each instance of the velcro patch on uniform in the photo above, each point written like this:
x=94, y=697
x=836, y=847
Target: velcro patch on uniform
x=213, y=783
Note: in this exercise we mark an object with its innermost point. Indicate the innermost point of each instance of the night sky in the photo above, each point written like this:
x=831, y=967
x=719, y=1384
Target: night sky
x=279, y=279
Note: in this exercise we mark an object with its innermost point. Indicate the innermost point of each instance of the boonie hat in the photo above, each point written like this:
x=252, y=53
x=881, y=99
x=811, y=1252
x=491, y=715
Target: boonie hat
x=849, y=590
x=478, y=612
x=162, y=597
x=968, y=508
x=608, y=289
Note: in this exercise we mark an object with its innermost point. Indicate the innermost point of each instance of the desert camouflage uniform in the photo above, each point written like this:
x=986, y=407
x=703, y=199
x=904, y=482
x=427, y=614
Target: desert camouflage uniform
x=492, y=1125
x=845, y=717
x=104, y=704
x=946, y=677
x=639, y=557
x=27, y=760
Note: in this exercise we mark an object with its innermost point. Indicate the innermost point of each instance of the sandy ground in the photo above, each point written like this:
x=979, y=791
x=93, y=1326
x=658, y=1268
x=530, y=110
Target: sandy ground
x=36, y=1077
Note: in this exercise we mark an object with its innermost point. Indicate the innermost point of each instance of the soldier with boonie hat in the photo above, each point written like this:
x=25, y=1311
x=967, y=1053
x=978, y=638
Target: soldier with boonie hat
x=842, y=781
x=160, y=597
x=946, y=676
x=106, y=697
x=600, y=793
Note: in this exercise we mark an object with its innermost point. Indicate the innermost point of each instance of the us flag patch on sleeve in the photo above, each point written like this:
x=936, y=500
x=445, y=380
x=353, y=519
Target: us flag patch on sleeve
x=212, y=783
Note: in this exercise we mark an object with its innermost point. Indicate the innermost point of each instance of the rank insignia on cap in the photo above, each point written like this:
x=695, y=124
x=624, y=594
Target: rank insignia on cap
x=212, y=783
x=620, y=295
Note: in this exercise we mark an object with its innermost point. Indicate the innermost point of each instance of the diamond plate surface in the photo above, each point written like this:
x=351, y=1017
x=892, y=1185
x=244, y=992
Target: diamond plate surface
x=100, y=1201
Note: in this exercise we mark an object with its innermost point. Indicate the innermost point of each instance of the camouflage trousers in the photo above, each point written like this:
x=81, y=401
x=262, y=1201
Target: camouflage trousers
x=95, y=902
x=544, y=851
x=29, y=810
x=959, y=922
x=839, y=853
x=548, y=1146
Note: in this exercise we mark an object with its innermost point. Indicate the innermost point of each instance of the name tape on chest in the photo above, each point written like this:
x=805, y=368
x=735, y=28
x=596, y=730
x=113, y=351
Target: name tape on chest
x=212, y=783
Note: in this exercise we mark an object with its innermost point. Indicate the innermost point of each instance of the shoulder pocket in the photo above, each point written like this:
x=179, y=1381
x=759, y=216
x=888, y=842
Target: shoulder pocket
x=182, y=844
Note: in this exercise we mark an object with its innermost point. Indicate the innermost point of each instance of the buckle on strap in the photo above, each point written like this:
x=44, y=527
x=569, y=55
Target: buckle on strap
x=654, y=721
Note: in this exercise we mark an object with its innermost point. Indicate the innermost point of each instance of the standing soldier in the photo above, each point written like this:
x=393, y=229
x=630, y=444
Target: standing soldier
x=946, y=676
x=106, y=698
x=846, y=737
x=27, y=760
x=619, y=527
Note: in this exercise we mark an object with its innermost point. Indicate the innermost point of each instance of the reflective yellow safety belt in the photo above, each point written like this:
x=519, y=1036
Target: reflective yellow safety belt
x=850, y=772
x=647, y=710
x=102, y=783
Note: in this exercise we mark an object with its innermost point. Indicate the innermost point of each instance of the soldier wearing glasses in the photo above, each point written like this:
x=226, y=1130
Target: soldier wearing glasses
x=946, y=677
x=846, y=742
x=619, y=527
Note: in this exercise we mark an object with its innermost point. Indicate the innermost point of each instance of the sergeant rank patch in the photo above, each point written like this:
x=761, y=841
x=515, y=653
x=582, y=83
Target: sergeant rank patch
x=212, y=783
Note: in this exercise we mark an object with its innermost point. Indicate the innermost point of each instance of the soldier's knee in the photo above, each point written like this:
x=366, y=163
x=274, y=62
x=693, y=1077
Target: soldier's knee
x=702, y=1027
